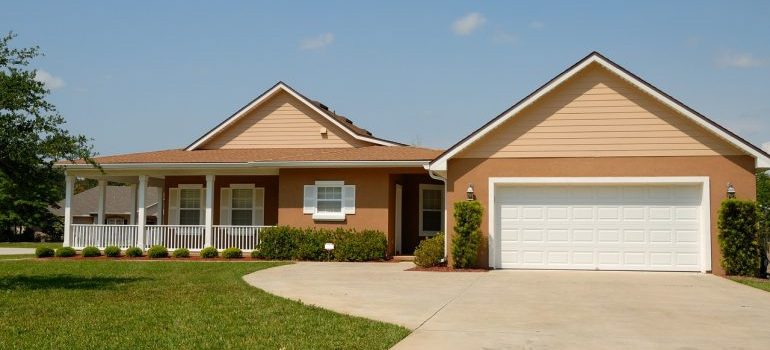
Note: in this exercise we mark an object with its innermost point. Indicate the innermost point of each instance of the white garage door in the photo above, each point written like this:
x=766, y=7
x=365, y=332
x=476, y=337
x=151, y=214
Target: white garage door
x=627, y=227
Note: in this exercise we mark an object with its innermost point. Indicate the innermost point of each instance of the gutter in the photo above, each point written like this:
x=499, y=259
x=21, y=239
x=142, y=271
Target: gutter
x=269, y=164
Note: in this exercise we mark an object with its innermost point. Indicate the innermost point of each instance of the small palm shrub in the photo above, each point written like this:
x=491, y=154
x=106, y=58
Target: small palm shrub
x=112, y=251
x=90, y=252
x=65, y=252
x=430, y=252
x=181, y=253
x=209, y=252
x=739, y=238
x=134, y=252
x=157, y=252
x=232, y=253
x=467, y=237
x=43, y=252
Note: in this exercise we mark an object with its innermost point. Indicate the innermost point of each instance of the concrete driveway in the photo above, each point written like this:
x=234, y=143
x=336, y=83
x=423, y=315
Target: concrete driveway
x=535, y=309
x=16, y=251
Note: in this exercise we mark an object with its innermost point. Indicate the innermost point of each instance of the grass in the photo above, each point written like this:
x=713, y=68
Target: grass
x=53, y=245
x=758, y=283
x=16, y=256
x=188, y=305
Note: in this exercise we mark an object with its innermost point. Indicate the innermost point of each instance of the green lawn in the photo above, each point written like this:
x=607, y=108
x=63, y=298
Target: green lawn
x=53, y=245
x=753, y=282
x=172, y=305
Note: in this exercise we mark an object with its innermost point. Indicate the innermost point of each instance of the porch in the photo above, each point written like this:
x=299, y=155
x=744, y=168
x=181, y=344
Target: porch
x=192, y=237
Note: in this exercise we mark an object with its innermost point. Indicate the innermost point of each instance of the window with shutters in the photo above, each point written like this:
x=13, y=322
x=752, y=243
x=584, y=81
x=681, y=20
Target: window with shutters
x=189, y=206
x=242, y=206
x=431, y=209
x=330, y=200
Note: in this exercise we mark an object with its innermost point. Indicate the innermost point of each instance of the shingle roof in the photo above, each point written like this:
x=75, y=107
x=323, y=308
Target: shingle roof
x=118, y=201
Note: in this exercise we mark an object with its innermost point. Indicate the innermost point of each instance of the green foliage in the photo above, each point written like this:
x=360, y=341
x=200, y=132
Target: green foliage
x=209, y=253
x=157, y=251
x=763, y=188
x=43, y=252
x=181, y=253
x=738, y=237
x=65, y=252
x=430, y=251
x=134, y=252
x=255, y=254
x=285, y=243
x=32, y=140
x=467, y=237
x=112, y=251
x=90, y=252
x=278, y=243
x=232, y=253
x=367, y=245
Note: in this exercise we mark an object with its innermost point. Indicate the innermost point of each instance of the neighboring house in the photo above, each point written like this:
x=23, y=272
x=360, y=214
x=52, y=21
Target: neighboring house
x=119, y=204
x=597, y=169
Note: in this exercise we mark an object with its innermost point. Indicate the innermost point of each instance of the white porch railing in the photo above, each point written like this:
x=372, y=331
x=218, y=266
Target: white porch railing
x=243, y=237
x=192, y=237
x=101, y=236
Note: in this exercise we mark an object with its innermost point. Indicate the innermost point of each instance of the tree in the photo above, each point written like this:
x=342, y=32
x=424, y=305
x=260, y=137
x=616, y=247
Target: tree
x=763, y=200
x=32, y=140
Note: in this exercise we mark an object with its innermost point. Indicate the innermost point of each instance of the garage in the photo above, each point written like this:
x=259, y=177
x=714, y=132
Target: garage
x=595, y=224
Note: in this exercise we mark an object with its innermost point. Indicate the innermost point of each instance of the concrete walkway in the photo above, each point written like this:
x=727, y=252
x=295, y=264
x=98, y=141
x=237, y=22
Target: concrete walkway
x=16, y=251
x=535, y=309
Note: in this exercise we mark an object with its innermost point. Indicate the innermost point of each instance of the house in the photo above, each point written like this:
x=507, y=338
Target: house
x=596, y=169
x=119, y=206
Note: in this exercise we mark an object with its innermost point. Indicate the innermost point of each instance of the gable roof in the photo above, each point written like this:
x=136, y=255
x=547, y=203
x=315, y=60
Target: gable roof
x=117, y=201
x=762, y=157
x=340, y=121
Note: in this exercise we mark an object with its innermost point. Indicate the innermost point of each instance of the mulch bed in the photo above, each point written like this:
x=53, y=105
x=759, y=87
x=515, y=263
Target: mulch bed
x=445, y=268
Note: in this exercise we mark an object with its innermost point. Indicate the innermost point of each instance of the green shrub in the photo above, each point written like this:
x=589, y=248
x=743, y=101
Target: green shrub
x=65, y=252
x=278, y=243
x=181, y=253
x=738, y=237
x=430, y=252
x=134, y=252
x=209, y=252
x=157, y=251
x=310, y=244
x=467, y=237
x=90, y=252
x=367, y=245
x=232, y=253
x=112, y=251
x=43, y=252
x=255, y=254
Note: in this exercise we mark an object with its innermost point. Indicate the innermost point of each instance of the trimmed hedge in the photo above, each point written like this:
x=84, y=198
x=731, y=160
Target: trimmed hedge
x=157, y=252
x=90, y=252
x=43, y=252
x=739, y=238
x=112, y=251
x=291, y=243
x=430, y=252
x=65, y=252
x=209, y=252
x=467, y=237
x=181, y=253
x=134, y=252
x=232, y=253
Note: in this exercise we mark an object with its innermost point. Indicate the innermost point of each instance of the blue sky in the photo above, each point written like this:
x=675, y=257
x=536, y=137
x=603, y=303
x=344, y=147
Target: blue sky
x=139, y=76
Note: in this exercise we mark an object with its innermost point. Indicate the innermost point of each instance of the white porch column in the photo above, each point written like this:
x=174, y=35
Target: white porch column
x=209, y=210
x=160, y=205
x=69, y=182
x=141, y=191
x=132, y=214
x=100, y=219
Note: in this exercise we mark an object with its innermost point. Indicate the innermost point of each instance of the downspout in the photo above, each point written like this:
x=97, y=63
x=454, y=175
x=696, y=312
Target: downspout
x=439, y=178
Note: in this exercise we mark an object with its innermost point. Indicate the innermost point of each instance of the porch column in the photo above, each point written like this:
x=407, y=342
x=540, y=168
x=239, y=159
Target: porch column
x=100, y=219
x=69, y=182
x=159, y=207
x=132, y=213
x=209, y=210
x=140, y=212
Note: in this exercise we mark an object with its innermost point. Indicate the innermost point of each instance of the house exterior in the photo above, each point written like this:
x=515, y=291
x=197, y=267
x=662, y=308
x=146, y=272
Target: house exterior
x=596, y=169
x=118, y=207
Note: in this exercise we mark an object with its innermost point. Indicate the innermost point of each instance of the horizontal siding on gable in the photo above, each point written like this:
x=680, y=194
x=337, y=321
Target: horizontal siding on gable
x=597, y=114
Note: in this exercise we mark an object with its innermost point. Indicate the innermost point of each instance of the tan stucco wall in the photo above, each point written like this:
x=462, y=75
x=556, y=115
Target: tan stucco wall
x=738, y=170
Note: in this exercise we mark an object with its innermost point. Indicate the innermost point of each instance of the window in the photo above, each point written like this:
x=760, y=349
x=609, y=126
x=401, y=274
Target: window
x=115, y=221
x=329, y=200
x=189, y=206
x=242, y=206
x=431, y=209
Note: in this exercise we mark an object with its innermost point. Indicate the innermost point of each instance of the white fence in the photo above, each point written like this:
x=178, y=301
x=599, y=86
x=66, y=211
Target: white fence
x=192, y=237
x=242, y=237
x=101, y=236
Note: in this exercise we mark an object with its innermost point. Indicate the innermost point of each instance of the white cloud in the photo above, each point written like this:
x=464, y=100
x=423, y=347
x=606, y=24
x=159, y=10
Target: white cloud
x=318, y=42
x=536, y=25
x=740, y=60
x=50, y=81
x=467, y=24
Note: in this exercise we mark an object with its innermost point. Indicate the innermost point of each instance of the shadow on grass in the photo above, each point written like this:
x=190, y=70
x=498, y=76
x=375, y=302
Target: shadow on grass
x=64, y=281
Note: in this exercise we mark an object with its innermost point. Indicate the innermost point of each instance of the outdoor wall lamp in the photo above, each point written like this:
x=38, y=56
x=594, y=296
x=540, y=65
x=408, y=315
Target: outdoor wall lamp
x=469, y=193
x=730, y=191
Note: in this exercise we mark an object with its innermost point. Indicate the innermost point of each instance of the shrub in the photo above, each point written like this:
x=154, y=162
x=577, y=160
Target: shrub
x=90, y=252
x=134, y=252
x=181, y=253
x=43, y=252
x=232, y=253
x=278, y=243
x=157, y=251
x=112, y=251
x=209, y=252
x=430, y=252
x=738, y=237
x=466, y=238
x=367, y=245
x=65, y=252
x=255, y=254
x=310, y=244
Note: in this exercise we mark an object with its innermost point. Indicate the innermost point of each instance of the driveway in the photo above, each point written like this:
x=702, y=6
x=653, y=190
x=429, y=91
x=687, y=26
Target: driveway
x=535, y=309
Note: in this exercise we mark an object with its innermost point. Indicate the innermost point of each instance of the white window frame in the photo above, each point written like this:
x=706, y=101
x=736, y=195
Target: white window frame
x=200, y=208
x=431, y=187
x=330, y=216
x=114, y=221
